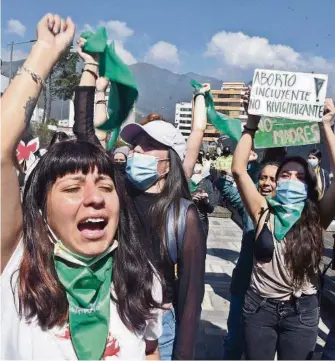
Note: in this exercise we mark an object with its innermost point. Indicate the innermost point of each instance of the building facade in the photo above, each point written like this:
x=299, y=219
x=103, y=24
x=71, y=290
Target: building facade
x=183, y=118
x=227, y=101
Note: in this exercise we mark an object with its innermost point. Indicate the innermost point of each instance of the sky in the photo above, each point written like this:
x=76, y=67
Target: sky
x=226, y=39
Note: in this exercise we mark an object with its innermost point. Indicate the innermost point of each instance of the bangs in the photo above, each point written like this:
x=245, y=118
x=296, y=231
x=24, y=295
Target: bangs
x=73, y=156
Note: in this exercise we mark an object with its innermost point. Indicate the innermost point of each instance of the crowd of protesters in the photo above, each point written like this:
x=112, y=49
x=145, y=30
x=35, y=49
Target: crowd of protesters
x=103, y=251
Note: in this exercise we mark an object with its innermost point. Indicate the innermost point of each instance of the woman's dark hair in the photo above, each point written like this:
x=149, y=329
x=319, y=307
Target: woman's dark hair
x=304, y=241
x=58, y=137
x=264, y=165
x=276, y=155
x=40, y=292
x=316, y=152
x=175, y=188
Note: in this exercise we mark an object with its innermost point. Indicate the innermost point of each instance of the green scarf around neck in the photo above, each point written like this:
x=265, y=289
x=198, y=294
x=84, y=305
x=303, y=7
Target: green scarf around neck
x=87, y=283
x=286, y=216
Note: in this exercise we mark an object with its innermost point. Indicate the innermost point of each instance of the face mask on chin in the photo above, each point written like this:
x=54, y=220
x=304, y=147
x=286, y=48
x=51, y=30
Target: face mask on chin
x=142, y=170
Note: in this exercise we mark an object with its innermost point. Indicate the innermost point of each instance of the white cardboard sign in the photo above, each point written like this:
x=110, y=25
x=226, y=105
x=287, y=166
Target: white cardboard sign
x=284, y=94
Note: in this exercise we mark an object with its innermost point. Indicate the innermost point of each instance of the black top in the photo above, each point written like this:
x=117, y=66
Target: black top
x=187, y=292
x=83, y=127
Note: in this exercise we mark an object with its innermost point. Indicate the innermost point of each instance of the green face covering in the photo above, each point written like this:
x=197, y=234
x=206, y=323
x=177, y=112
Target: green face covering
x=87, y=282
x=286, y=216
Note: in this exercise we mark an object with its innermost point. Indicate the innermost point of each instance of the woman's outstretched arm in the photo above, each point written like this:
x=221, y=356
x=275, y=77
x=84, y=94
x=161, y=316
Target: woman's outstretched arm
x=54, y=35
x=327, y=203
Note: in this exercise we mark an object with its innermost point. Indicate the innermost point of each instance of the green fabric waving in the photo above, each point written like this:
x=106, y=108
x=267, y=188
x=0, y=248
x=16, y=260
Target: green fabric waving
x=87, y=283
x=123, y=89
x=286, y=216
x=224, y=124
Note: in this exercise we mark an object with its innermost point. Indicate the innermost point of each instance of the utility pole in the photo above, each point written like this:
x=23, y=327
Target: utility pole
x=11, y=61
x=11, y=55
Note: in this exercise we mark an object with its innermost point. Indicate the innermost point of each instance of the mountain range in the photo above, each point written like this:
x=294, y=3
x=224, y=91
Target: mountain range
x=159, y=90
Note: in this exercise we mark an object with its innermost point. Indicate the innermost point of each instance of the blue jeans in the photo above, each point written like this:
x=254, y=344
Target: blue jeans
x=233, y=343
x=288, y=327
x=166, y=341
x=329, y=349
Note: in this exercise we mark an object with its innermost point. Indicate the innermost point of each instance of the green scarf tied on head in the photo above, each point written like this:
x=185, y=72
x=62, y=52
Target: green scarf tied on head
x=87, y=282
x=123, y=89
x=224, y=124
x=286, y=216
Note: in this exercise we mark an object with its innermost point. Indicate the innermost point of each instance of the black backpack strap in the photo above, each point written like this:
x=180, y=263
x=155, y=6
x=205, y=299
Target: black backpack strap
x=175, y=245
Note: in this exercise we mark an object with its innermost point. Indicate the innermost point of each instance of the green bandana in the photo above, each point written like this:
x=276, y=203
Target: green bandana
x=87, y=282
x=123, y=89
x=193, y=186
x=286, y=216
x=224, y=124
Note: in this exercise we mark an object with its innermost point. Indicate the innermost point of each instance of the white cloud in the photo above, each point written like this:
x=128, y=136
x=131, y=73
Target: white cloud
x=124, y=54
x=17, y=54
x=163, y=53
x=117, y=30
x=238, y=53
x=245, y=52
x=15, y=27
x=87, y=27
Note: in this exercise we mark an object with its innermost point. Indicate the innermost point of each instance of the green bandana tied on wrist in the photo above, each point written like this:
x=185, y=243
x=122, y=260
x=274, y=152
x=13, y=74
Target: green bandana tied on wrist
x=192, y=185
x=224, y=124
x=123, y=89
x=286, y=216
x=87, y=283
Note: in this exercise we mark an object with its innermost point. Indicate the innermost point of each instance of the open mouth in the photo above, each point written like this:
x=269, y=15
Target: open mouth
x=266, y=192
x=92, y=228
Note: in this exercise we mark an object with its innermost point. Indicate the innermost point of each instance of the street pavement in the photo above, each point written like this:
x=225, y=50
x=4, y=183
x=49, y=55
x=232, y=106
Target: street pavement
x=223, y=247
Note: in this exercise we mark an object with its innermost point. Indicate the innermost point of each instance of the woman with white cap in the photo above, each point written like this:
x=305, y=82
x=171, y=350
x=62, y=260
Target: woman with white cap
x=157, y=185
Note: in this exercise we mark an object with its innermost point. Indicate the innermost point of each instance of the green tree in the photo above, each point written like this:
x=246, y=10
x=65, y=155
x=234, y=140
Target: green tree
x=44, y=134
x=52, y=122
x=61, y=82
x=66, y=77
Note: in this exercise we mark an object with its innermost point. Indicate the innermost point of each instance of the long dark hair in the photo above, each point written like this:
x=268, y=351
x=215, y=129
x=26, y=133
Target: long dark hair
x=175, y=188
x=40, y=292
x=304, y=241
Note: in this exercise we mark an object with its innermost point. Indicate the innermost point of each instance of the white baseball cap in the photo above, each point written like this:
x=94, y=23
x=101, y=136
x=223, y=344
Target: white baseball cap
x=163, y=132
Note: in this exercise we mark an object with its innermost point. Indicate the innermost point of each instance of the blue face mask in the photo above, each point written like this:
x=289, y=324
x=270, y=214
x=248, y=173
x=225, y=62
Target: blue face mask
x=313, y=162
x=142, y=170
x=291, y=191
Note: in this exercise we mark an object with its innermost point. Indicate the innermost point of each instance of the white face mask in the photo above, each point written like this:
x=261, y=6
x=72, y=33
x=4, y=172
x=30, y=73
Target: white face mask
x=313, y=162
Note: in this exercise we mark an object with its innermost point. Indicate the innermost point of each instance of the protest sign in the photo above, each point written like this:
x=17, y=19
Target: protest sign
x=224, y=163
x=288, y=95
x=278, y=132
